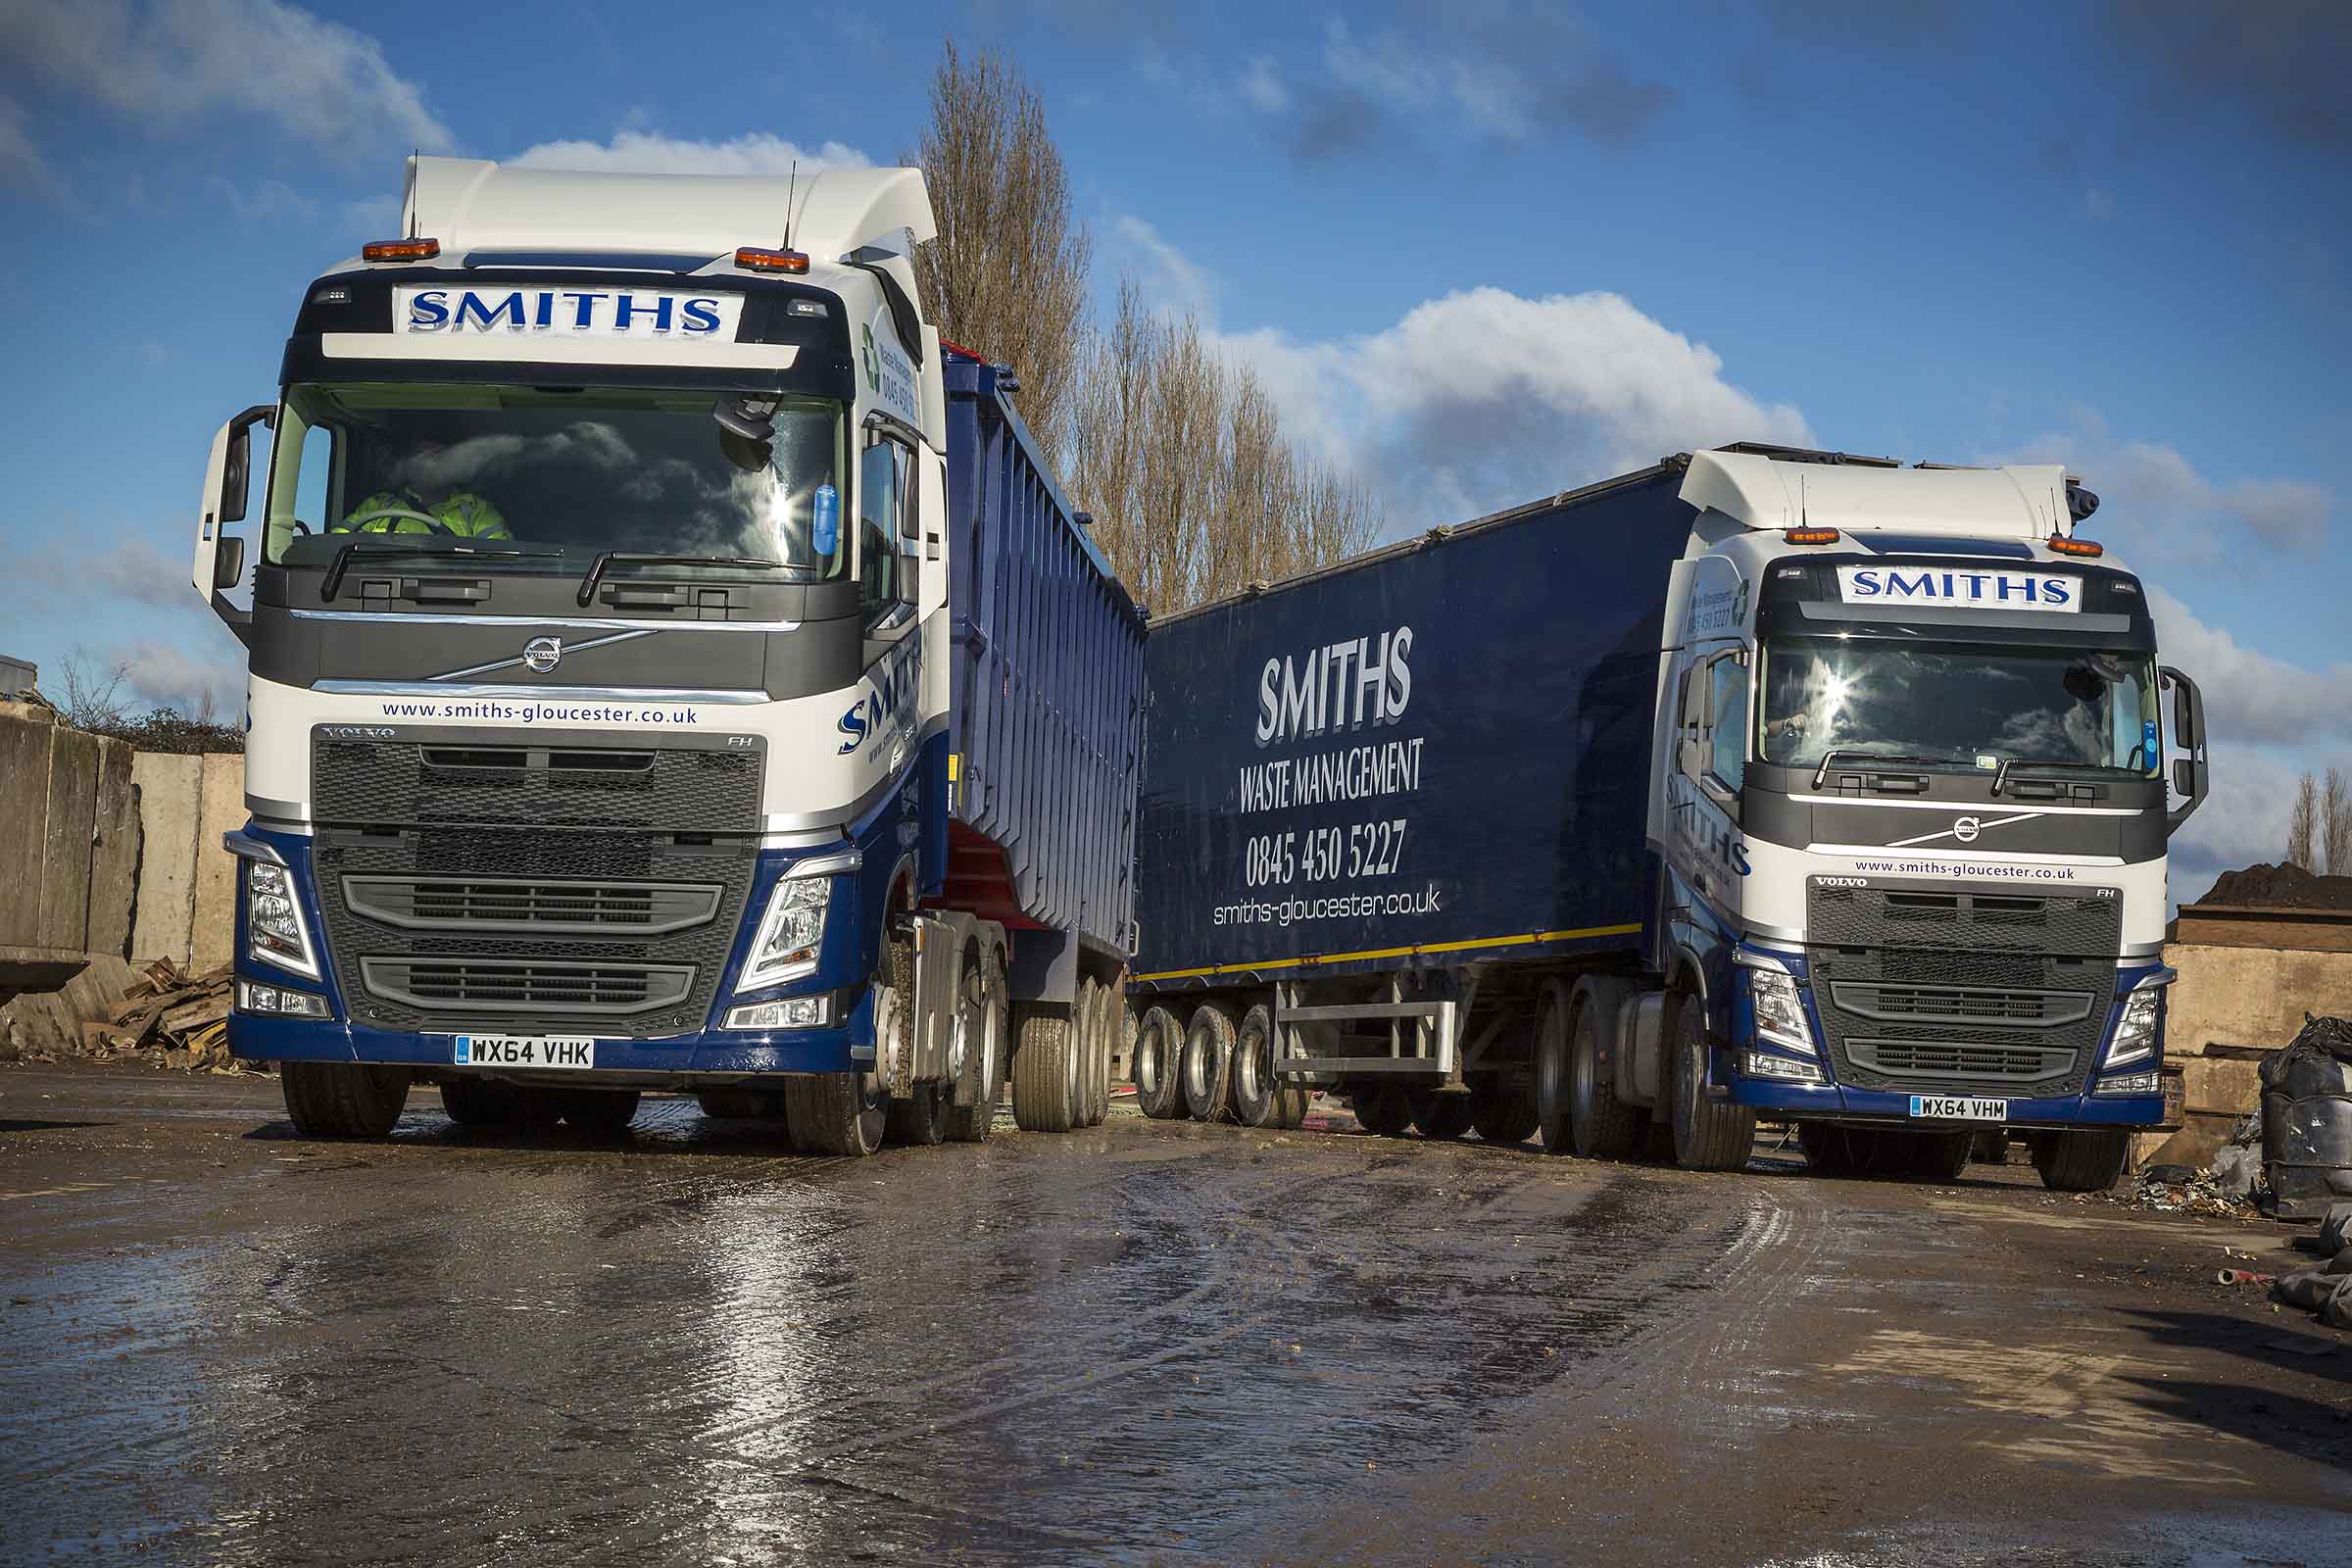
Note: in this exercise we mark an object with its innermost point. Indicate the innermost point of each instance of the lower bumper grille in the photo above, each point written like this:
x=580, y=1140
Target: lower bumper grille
x=494, y=985
x=578, y=908
x=1937, y=1058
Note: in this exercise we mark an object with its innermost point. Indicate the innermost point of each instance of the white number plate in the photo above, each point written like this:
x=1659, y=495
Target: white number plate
x=1959, y=1108
x=531, y=1051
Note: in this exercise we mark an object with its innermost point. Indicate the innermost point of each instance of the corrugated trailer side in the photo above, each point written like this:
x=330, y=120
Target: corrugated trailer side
x=1045, y=726
x=1435, y=752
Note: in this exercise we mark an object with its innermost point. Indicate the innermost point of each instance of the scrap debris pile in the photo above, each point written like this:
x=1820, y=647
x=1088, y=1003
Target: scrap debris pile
x=182, y=1019
x=2328, y=1288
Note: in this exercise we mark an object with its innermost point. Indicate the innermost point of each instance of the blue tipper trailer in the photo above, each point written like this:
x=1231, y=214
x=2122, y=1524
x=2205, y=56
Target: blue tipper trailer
x=1045, y=742
x=1385, y=803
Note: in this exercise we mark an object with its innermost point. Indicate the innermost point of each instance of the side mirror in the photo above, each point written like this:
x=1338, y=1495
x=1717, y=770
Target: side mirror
x=228, y=561
x=236, y=473
x=2192, y=777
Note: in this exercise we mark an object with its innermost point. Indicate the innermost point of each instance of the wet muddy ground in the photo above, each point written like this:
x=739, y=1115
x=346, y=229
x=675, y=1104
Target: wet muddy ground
x=1150, y=1342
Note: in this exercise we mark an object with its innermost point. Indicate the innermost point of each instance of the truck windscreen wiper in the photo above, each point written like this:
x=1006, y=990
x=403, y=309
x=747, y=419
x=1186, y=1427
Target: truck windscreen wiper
x=2001, y=774
x=630, y=558
x=1831, y=755
x=329, y=584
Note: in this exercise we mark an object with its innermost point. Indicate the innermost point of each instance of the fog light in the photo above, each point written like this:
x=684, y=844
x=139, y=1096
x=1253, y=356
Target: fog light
x=793, y=1012
x=1757, y=1064
x=279, y=1002
x=2129, y=1083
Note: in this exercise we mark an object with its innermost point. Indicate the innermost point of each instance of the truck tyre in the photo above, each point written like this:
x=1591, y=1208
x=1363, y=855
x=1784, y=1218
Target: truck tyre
x=1158, y=1065
x=1045, y=1075
x=1828, y=1147
x=1257, y=1094
x=1503, y=1115
x=1383, y=1109
x=836, y=1112
x=1208, y=1063
x=1095, y=1007
x=343, y=1098
x=2080, y=1162
x=1441, y=1115
x=980, y=1000
x=1552, y=1094
x=1601, y=1125
x=744, y=1105
x=480, y=1102
x=1940, y=1156
x=597, y=1112
x=1709, y=1134
x=920, y=1120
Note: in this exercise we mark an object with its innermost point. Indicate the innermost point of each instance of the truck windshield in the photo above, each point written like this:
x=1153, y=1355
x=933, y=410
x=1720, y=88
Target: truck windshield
x=583, y=470
x=1959, y=703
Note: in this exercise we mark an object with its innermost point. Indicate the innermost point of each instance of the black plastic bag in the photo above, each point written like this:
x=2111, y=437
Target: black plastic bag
x=2307, y=1120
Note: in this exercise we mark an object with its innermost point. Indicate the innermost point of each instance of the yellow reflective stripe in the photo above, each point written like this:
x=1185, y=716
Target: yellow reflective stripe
x=1396, y=952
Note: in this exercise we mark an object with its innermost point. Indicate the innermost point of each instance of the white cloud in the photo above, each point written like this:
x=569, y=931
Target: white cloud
x=21, y=167
x=2174, y=513
x=271, y=201
x=2252, y=696
x=642, y=151
x=1485, y=398
x=1263, y=89
x=1172, y=281
x=177, y=61
x=375, y=218
x=127, y=566
x=169, y=676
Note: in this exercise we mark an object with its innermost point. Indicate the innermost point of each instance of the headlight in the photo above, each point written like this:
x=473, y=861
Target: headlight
x=274, y=932
x=2136, y=1030
x=793, y=1012
x=2131, y=1083
x=1763, y=1064
x=790, y=933
x=1780, y=1011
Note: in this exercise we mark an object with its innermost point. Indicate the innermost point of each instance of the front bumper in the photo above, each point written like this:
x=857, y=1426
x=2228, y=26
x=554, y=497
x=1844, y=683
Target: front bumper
x=711, y=1054
x=1836, y=1102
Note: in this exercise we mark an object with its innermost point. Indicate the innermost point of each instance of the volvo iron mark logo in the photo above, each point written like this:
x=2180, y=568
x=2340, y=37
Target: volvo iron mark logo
x=543, y=653
x=1967, y=829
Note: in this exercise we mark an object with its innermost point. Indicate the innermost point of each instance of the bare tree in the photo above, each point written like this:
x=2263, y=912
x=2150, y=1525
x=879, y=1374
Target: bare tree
x=1181, y=456
x=2335, y=822
x=1007, y=275
x=93, y=695
x=2302, y=823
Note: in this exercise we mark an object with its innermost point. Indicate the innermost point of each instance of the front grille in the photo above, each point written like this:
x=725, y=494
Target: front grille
x=1962, y=990
x=501, y=985
x=1931, y=1058
x=2034, y=1009
x=556, y=907
x=561, y=884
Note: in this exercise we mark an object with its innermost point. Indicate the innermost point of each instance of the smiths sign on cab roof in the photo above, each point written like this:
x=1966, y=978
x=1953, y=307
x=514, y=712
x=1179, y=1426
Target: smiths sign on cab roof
x=607, y=312
x=1961, y=587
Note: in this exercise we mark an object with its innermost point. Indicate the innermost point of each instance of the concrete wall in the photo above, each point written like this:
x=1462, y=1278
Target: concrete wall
x=70, y=835
x=2238, y=999
x=187, y=882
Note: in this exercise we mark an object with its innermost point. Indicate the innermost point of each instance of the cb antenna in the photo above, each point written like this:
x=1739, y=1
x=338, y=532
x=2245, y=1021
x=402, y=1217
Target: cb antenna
x=413, y=154
x=790, y=188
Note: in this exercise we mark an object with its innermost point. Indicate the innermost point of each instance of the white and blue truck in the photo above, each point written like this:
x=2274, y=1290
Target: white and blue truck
x=671, y=667
x=1762, y=782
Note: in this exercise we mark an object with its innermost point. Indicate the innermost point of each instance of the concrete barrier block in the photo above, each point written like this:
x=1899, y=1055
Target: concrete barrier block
x=170, y=807
x=25, y=744
x=214, y=930
x=115, y=857
x=67, y=839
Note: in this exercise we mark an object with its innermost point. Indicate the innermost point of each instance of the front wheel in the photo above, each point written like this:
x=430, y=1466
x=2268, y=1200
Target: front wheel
x=343, y=1098
x=836, y=1112
x=2080, y=1162
x=1709, y=1134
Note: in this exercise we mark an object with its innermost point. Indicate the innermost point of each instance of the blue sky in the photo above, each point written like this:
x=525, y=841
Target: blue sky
x=1481, y=250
